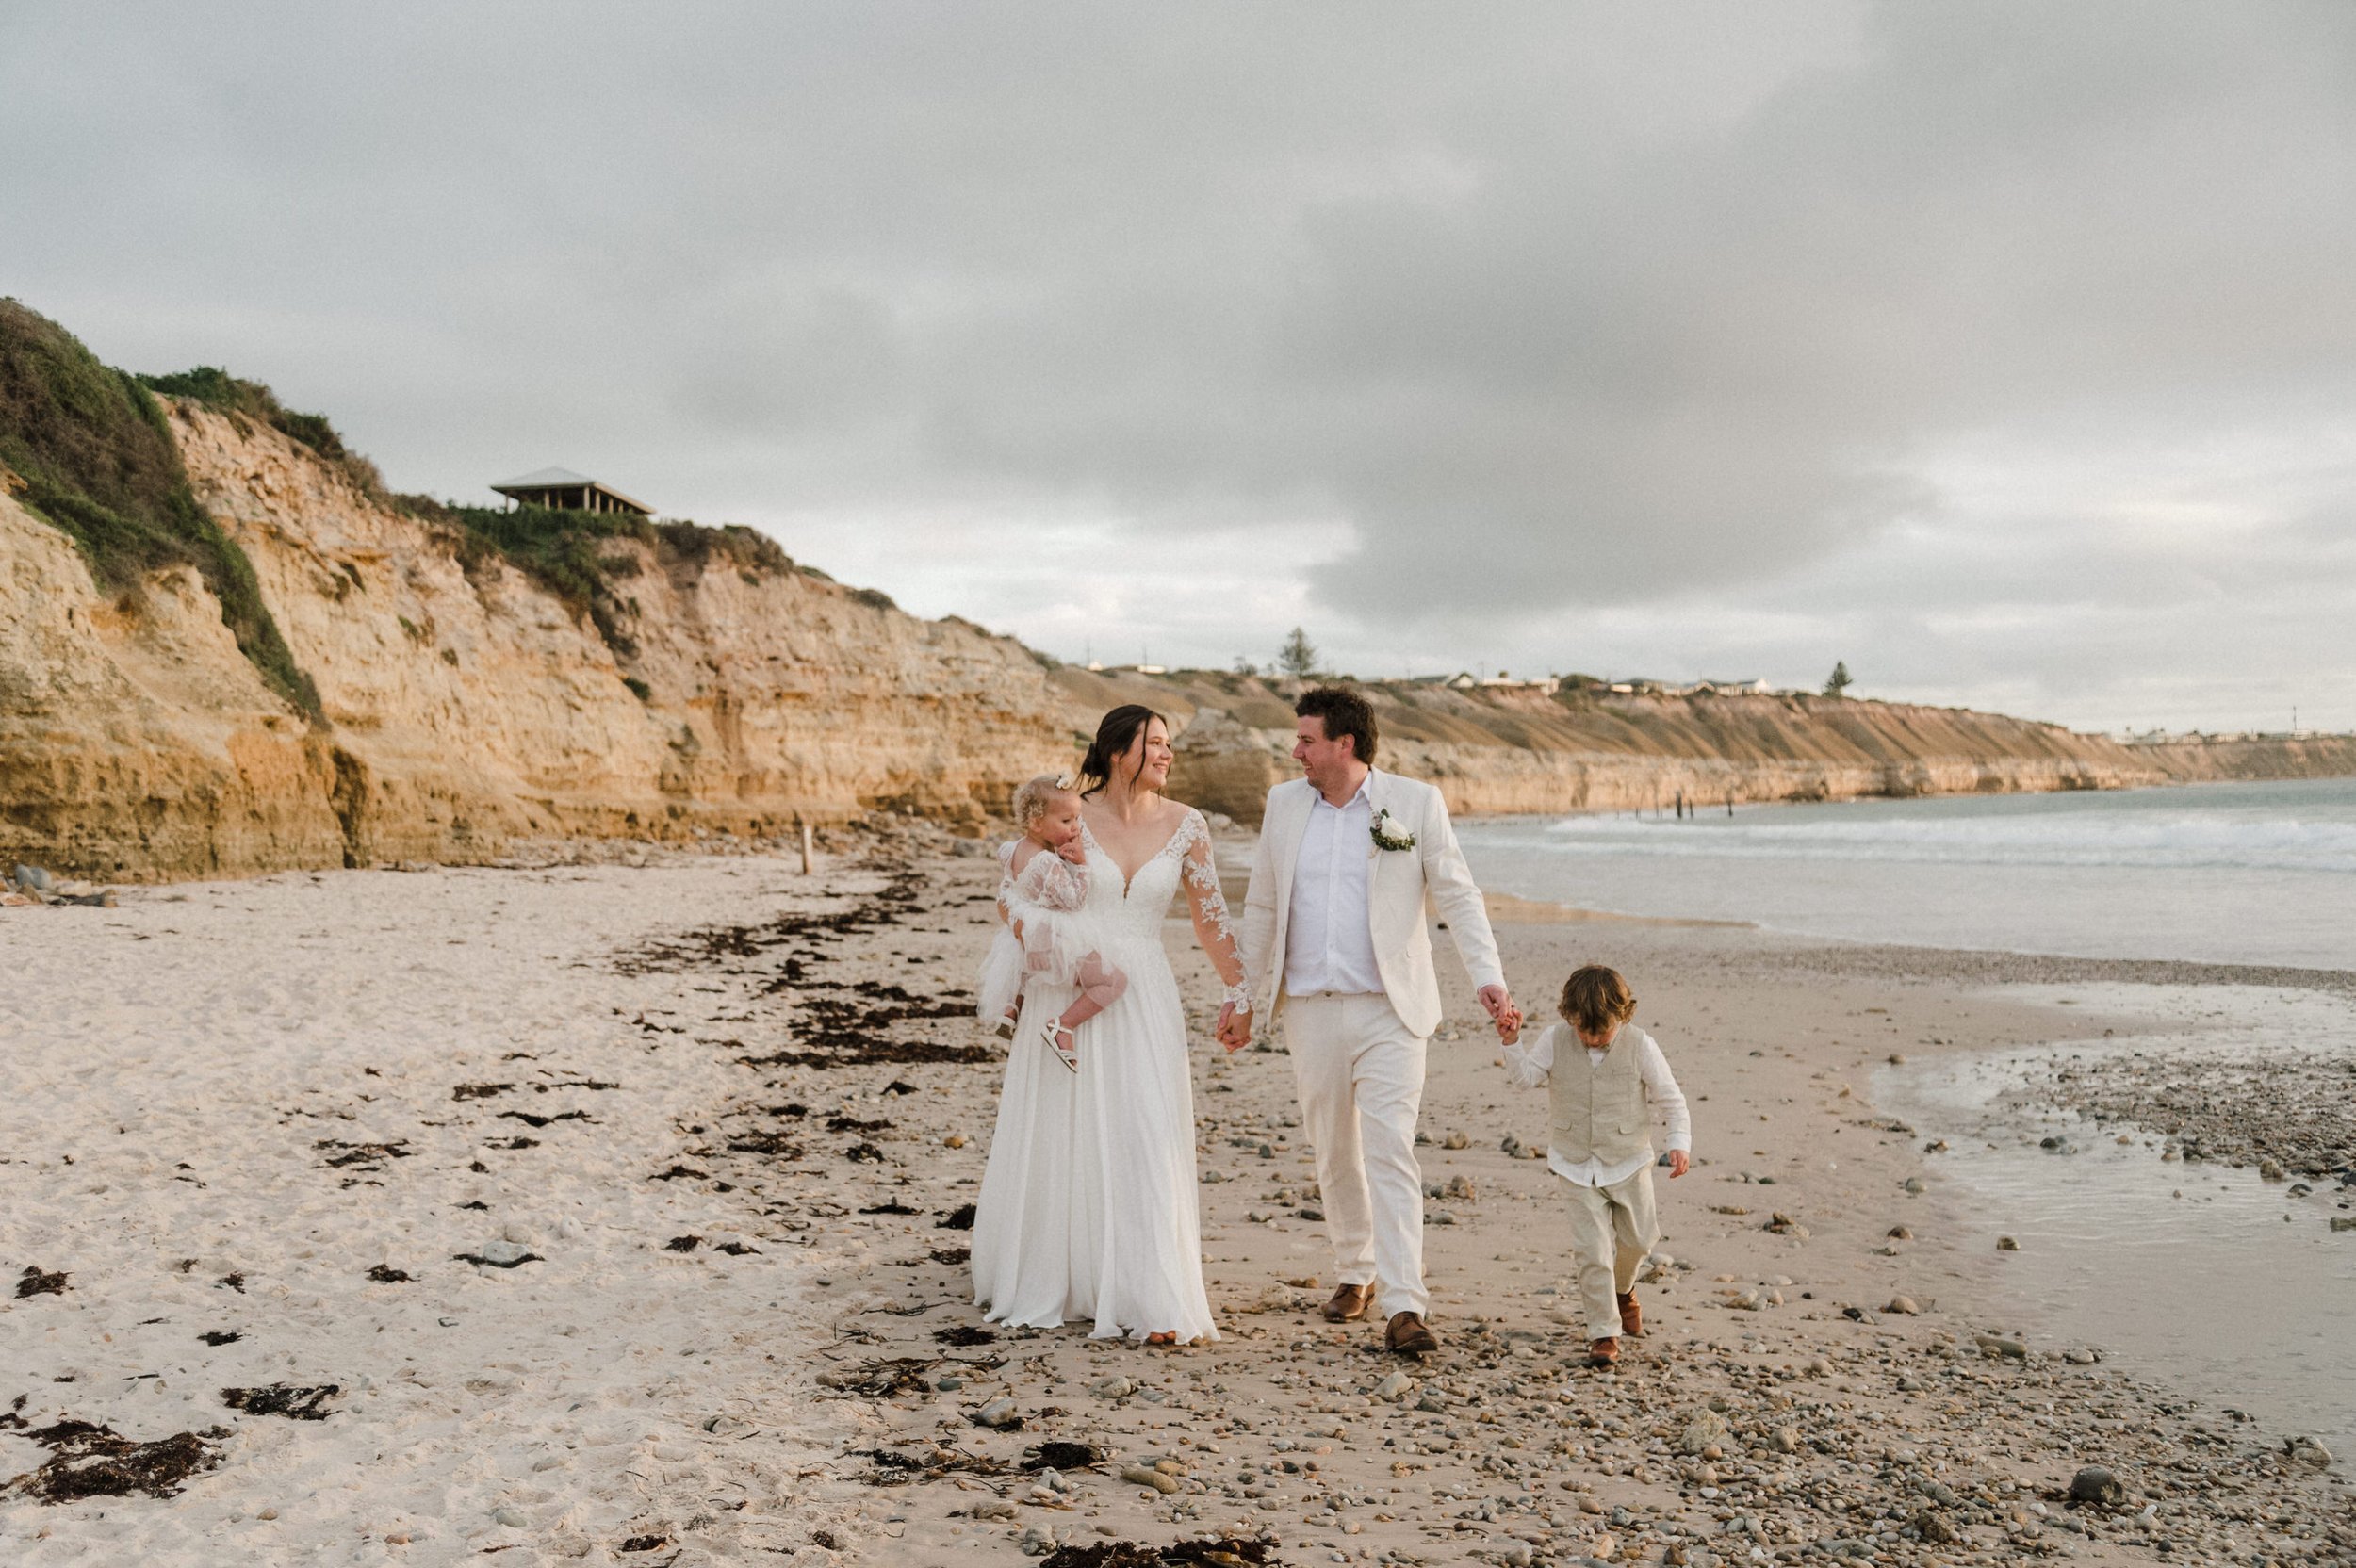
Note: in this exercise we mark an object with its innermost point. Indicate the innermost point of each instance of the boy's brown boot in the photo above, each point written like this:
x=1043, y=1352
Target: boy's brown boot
x=1603, y=1352
x=1631, y=1316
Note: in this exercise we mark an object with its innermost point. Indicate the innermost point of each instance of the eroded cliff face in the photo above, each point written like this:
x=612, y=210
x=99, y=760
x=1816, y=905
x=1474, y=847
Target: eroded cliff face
x=464, y=704
x=1518, y=750
x=134, y=736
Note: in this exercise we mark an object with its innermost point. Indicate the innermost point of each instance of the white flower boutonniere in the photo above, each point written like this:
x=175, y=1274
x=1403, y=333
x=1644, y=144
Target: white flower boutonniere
x=1388, y=834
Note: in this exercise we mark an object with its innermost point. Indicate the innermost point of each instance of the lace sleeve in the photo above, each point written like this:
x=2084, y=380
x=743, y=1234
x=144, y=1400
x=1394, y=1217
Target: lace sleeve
x=1005, y=885
x=1053, y=882
x=1213, y=929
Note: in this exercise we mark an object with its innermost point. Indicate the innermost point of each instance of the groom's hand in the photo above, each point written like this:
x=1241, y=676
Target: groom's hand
x=1234, y=1026
x=1508, y=1018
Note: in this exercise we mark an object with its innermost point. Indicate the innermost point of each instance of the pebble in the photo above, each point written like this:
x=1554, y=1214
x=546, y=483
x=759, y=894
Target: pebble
x=1114, y=1388
x=1142, y=1475
x=1903, y=1305
x=1704, y=1430
x=2095, y=1484
x=2005, y=1244
x=1394, y=1387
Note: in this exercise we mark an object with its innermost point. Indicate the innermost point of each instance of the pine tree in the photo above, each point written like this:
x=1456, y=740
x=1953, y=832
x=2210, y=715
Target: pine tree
x=1297, y=658
x=1838, y=683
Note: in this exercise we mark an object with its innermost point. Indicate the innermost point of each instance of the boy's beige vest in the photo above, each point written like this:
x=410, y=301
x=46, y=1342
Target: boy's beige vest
x=1600, y=1114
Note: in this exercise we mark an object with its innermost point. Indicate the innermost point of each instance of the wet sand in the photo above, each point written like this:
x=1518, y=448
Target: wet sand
x=672, y=1160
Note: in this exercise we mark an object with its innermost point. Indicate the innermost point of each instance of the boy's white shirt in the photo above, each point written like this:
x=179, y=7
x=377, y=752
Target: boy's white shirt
x=1529, y=1066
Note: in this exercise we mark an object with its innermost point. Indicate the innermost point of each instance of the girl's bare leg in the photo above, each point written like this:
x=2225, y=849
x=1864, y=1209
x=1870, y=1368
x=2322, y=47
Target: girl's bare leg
x=1101, y=986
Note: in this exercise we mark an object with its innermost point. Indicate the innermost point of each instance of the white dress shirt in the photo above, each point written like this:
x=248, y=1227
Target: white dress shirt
x=1329, y=941
x=1527, y=1067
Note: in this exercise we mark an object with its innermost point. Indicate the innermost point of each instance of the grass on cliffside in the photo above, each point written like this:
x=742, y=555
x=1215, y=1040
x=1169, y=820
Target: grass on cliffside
x=564, y=552
x=224, y=393
x=97, y=463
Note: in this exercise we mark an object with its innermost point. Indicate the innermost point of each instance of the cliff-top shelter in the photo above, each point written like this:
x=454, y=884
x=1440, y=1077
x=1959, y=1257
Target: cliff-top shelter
x=563, y=490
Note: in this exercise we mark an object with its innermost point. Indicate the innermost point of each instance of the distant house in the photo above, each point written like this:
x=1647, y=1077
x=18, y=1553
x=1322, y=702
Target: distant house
x=561, y=490
x=1731, y=688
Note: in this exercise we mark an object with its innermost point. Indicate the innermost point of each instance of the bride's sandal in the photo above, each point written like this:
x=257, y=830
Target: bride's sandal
x=1051, y=1034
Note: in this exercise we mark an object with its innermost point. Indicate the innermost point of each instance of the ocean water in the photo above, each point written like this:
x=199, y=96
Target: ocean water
x=2201, y=1276
x=2206, y=1277
x=2251, y=874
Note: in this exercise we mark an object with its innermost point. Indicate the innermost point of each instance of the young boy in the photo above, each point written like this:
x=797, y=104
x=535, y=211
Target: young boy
x=1601, y=1144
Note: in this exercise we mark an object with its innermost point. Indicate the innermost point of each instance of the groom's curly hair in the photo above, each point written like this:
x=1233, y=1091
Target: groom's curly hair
x=1343, y=711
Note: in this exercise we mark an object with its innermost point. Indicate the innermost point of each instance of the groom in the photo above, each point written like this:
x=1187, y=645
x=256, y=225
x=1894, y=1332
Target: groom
x=1335, y=919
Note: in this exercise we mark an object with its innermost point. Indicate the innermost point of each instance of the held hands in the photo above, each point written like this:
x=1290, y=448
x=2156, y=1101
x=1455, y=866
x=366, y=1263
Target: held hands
x=1234, y=1026
x=1499, y=1002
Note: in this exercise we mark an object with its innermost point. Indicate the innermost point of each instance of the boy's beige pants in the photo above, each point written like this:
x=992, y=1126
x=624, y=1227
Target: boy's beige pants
x=1611, y=1229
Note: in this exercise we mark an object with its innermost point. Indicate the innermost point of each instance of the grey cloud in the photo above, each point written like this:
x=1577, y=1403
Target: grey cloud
x=1540, y=306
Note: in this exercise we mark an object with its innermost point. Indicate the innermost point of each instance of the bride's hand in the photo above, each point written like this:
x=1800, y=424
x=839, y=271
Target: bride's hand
x=1234, y=1026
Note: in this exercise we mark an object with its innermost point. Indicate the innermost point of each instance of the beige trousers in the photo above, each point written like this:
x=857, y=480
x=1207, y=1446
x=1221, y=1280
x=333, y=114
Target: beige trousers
x=1360, y=1071
x=1612, y=1229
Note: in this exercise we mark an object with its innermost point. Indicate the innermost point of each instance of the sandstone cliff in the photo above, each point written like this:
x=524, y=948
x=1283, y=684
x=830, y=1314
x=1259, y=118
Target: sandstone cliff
x=1519, y=750
x=462, y=703
x=224, y=651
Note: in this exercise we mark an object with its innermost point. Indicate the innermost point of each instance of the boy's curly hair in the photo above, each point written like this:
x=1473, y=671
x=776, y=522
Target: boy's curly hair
x=1035, y=795
x=1597, y=999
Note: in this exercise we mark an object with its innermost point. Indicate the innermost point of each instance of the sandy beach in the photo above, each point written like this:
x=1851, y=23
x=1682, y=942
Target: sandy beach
x=613, y=1212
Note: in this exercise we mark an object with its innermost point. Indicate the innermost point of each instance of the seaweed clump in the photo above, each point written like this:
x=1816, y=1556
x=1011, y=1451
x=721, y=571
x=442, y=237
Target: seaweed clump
x=90, y=1460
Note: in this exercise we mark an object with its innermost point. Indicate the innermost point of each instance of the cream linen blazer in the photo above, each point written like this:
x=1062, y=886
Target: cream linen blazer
x=1399, y=881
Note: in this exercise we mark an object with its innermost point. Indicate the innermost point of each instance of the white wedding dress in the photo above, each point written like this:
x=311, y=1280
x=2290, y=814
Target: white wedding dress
x=1089, y=1206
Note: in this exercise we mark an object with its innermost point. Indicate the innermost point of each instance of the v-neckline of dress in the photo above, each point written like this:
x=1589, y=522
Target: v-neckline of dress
x=1129, y=879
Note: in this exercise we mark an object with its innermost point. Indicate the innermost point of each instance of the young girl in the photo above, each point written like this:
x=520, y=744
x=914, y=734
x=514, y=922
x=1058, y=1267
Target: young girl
x=1042, y=888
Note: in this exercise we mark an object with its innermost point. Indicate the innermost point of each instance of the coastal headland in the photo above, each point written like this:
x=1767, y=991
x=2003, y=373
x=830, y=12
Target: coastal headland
x=227, y=647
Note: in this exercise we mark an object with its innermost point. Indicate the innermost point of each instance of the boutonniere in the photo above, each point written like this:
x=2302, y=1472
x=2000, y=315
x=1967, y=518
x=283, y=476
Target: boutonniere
x=1388, y=834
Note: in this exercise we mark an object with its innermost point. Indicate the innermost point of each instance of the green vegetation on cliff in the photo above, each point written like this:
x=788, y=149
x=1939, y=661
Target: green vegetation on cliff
x=564, y=552
x=92, y=457
x=224, y=393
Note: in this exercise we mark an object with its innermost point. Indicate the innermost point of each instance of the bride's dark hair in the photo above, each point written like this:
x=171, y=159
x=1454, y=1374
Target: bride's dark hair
x=1116, y=732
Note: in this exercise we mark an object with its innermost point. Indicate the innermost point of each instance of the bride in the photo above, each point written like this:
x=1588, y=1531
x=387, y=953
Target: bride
x=1087, y=1207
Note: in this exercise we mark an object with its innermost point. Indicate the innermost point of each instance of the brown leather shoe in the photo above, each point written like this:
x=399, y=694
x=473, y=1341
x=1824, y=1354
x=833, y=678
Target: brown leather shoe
x=1603, y=1352
x=1410, y=1335
x=1349, y=1303
x=1631, y=1317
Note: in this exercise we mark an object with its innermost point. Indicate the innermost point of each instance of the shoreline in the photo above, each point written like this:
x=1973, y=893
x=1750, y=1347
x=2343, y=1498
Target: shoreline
x=782, y=1058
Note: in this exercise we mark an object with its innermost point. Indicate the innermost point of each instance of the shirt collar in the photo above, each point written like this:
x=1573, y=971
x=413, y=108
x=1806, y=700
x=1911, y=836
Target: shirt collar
x=1365, y=786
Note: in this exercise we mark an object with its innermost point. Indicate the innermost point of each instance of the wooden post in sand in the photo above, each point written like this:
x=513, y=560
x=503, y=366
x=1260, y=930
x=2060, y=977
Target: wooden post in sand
x=803, y=823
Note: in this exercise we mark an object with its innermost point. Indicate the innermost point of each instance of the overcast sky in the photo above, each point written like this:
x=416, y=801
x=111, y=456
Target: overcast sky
x=2006, y=352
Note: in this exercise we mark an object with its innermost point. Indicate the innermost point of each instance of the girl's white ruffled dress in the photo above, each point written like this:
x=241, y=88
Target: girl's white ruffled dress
x=1049, y=899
